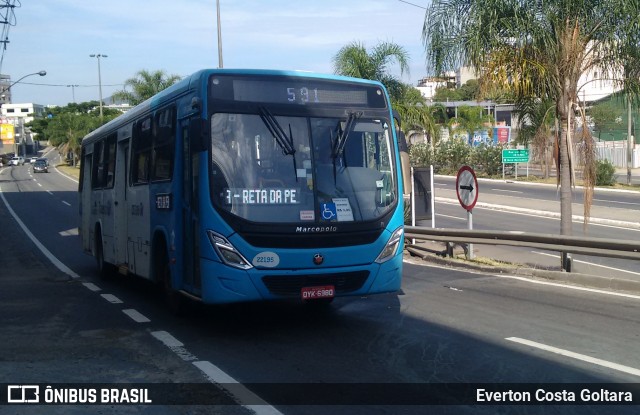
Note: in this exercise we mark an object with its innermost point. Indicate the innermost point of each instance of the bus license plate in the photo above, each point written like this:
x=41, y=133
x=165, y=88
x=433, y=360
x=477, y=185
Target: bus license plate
x=313, y=293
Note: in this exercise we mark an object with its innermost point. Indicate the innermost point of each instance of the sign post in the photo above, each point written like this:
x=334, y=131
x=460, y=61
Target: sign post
x=467, y=190
x=515, y=156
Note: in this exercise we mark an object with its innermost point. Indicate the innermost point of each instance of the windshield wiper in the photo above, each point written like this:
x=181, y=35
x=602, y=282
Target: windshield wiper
x=343, y=134
x=284, y=141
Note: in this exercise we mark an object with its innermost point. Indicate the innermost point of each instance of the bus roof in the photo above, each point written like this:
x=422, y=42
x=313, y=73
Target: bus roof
x=198, y=80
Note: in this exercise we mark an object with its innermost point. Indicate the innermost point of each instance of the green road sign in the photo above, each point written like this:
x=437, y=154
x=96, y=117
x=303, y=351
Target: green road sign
x=515, y=156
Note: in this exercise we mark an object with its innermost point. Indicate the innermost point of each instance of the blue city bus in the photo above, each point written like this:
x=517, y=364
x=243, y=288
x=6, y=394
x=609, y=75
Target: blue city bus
x=247, y=185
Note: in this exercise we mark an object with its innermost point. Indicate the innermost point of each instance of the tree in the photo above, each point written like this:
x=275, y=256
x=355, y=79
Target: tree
x=539, y=49
x=144, y=85
x=415, y=113
x=536, y=123
x=469, y=120
x=354, y=60
x=66, y=126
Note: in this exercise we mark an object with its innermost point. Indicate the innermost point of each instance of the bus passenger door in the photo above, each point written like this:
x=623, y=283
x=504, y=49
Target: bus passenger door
x=87, y=208
x=120, y=203
x=190, y=222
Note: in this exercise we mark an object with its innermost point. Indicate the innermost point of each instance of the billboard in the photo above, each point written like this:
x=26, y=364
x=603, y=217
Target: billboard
x=7, y=134
x=479, y=137
x=501, y=135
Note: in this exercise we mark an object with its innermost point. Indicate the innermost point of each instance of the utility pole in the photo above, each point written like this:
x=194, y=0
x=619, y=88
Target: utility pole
x=73, y=92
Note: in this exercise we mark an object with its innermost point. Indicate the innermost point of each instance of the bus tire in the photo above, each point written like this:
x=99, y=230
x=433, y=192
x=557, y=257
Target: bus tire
x=105, y=270
x=175, y=300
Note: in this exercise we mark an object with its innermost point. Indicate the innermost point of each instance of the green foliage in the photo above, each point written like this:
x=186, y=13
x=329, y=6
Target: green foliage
x=448, y=156
x=420, y=155
x=354, y=60
x=487, y=159
x=605, y=173
x=68, y=125
x=444, y=94
x=144, y=85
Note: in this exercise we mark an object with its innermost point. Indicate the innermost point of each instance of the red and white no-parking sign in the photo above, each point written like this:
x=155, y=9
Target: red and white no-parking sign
x=467, y=187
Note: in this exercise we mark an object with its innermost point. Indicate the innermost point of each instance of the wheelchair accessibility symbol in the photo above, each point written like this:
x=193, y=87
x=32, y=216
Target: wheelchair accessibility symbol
x=328, y=211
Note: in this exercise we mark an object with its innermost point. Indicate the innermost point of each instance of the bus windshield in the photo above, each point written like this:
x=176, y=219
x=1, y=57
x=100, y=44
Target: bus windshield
x=295, y=169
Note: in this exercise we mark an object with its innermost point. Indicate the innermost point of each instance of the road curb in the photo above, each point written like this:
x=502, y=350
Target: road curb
x=592, y=281
x=583, y=280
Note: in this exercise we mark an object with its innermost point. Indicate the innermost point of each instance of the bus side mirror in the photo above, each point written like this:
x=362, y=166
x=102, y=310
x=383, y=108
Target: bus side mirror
x=198, y=134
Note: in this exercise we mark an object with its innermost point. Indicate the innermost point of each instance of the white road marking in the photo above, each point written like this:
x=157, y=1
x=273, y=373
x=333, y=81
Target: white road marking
x=588, y=263
x=615, y=201
x=50, y=192
x=450, y=217
x=66, y=203
x=40, y=184
x=569, y=287
x=175, y=345
x=577, y=356
x=136, y=316
x=55, y=261
x=70, y=232
x=507, y=191
x=240, y=392
x=92, y=286
x=111, y=298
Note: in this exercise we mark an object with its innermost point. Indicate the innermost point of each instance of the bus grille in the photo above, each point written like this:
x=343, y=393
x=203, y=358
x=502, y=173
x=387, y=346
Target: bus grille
x=290, y=285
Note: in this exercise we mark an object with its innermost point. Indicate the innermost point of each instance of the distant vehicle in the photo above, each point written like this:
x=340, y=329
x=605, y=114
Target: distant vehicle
x=40, y=166
x=17, y=161
x=33, y=159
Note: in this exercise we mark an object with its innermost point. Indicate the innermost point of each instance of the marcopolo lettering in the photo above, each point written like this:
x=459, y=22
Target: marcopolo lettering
x=316, y=229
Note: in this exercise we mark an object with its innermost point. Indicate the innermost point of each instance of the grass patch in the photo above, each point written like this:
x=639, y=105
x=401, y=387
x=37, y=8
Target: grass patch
x=69, y=170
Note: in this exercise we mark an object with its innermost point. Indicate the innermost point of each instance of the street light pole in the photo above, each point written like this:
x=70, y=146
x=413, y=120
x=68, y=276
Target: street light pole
x=41, y=73
x=98, y=56
x=219, y=35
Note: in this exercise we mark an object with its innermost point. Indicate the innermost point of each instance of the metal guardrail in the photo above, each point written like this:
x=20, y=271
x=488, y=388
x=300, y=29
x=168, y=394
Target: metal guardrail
x=567, y=244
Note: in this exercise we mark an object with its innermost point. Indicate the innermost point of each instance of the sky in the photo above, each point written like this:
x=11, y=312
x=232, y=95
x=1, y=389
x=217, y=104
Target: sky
x=180, y=37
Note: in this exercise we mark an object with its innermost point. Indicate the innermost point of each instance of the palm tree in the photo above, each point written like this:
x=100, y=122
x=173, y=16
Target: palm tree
x=144, y=85
x=535, y=126
x=540, y=49
x=354, y=60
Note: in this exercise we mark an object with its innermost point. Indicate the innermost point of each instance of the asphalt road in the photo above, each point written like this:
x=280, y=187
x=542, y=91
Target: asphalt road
x=534, y=208
x=446, y=327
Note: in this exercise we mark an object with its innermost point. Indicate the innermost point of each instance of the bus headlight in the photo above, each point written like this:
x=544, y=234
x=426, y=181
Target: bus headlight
x=391, y=247
x=228, y=253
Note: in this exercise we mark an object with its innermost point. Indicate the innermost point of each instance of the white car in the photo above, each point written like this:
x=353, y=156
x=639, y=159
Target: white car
x=16, y=161
x=33, y=159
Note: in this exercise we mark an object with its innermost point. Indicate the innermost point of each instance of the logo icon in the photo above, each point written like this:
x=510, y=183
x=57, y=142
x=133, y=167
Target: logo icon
x=23, y=394
x=318, y=259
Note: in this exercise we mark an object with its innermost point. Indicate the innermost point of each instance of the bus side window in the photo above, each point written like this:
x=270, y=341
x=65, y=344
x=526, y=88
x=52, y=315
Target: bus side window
x=163, y=143
x=141, y=155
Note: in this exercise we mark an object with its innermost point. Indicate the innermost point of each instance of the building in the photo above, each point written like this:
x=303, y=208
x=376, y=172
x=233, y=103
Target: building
x=428, y=85
x=17, y=115
x=5, y=92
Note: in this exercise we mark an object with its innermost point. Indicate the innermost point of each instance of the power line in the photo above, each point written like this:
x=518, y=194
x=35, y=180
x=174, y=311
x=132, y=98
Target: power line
x=8, y=16
x=65, y=85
